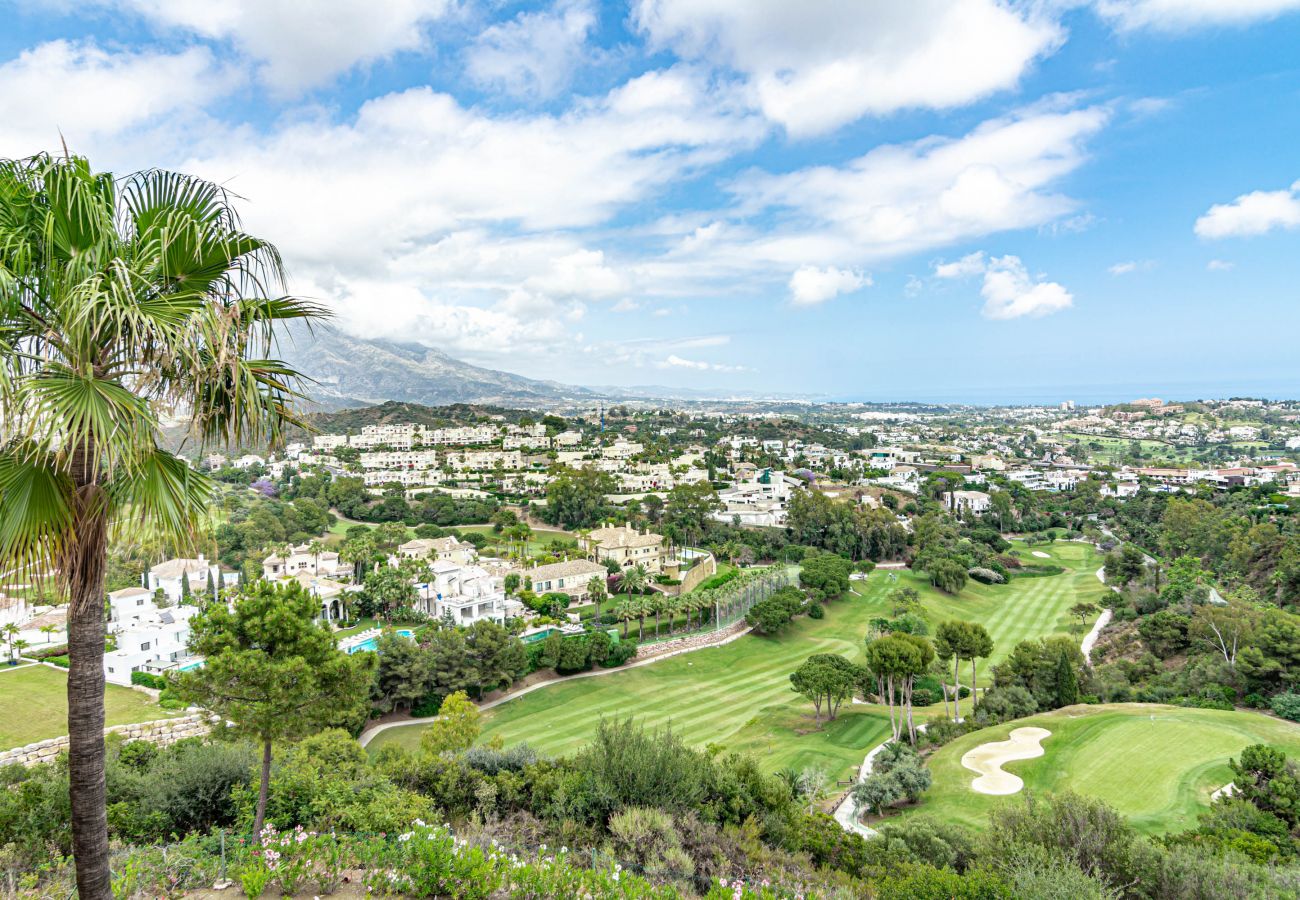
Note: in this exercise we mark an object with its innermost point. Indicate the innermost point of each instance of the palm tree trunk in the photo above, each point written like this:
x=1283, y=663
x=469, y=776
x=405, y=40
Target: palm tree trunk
x=263, y=788
x=84, y=571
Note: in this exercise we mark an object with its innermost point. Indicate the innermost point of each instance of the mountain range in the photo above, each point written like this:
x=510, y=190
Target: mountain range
x=350, y=371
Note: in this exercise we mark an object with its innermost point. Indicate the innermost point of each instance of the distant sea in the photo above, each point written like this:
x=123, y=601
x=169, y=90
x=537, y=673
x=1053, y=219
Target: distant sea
x=1084, y=394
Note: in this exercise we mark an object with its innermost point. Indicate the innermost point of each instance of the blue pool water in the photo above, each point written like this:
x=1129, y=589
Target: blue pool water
x=193, y=664
x=372, y=642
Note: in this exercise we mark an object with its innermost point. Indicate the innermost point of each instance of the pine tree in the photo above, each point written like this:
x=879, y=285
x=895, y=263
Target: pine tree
x=1067, y=682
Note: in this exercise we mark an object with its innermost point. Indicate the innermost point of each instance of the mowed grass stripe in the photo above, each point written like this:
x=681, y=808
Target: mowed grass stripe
x=739, y=694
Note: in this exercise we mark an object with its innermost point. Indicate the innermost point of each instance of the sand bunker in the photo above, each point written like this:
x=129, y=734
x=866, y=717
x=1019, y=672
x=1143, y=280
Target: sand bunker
x=986, y=760
x=1041, y=555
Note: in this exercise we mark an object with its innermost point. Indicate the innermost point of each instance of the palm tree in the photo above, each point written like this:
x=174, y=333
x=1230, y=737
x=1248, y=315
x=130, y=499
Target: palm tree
x=316, y=548
x=121, y=299
x=659, y=605
x=20, y=645
x=11, y=632
x=596, y=590
x=48, y=631
x=626, y=613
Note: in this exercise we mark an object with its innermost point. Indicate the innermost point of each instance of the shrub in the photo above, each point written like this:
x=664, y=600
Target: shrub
x=948, y=575
x=1287, y=706
x=146, y=679
x=985, y=576
x=59, y=661
x=816, y=611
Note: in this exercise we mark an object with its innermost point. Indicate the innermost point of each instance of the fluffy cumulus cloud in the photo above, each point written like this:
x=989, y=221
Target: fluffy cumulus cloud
x=902, y=198
x=1009, y=291
x=816, y=65
x=1174, y=15
x=89, y=94
x=1258, y=212
x=810, y=285
x=534, y=54
x=299, y=45
x=434, y=197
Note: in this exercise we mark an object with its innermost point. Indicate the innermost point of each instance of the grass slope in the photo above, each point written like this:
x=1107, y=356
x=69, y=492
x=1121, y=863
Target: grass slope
x=34, y=705
x=739, y=694
x=1156, y=764
x=1024, y=609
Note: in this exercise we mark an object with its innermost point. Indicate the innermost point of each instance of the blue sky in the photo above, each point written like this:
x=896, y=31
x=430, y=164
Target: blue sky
x=944, y=199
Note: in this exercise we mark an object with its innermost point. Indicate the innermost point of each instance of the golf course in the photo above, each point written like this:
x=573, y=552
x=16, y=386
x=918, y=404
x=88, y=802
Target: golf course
x=738, y=695
x=1156, y=764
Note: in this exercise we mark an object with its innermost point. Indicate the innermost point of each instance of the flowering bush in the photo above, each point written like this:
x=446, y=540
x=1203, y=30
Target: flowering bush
x=739, y=889
x=430, y=861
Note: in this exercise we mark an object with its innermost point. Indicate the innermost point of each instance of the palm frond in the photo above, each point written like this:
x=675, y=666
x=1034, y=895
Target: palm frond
x=162, y=493
x=36, y=497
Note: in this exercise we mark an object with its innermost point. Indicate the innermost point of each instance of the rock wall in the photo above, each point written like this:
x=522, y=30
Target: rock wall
x=161, y=732
x=692, y=642
x=705, y=568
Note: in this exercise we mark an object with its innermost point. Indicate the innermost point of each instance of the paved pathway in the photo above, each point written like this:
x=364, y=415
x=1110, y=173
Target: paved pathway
x=369, y=734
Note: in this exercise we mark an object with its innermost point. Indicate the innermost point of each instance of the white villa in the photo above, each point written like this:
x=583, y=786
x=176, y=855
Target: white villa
x=172, y=575
x=569, y=577
x=148, y=640
x=466, y=594
x=756, y=498
x=301, y=560
x=974, y=502
x=443, y=549
x=627, y=547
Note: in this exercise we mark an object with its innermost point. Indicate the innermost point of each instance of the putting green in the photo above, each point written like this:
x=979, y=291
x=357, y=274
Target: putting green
x=1156, y=764
x=738, y=695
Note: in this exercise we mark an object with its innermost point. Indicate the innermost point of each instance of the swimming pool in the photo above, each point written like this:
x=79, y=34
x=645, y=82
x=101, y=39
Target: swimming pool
x=371, y=642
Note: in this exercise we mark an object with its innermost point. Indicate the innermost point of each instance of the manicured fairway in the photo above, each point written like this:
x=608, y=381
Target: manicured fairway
x=1026, y=608
x=1157, y=765
x=34, y=705
x=739, y=695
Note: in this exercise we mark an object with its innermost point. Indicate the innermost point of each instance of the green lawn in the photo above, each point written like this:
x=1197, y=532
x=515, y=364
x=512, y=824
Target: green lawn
x=1026, y=608
x=1157, y=765
x=538, y=543
x=34, y=705
x=739, y=694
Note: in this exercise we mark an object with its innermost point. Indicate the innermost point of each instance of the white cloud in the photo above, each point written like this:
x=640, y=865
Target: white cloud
x=1177, y=15
x=1258, y=212
x=90, y=94
x=903, y=198
x=1130, y=266
x=536, y=53
x=677, y=362
x=298, y=44
x=1009, y=291
x=1220, y=265
x=436, y=202
x=817, y=65
x=970, y=264
x=810, y=285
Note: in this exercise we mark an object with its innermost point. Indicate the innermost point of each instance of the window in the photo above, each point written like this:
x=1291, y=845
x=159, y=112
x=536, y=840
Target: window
x=145, y=645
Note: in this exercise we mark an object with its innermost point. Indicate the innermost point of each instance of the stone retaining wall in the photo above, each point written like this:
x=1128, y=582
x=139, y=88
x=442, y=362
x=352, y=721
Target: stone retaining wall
x=161, y=732
x=690, y=642
x=702, y=570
